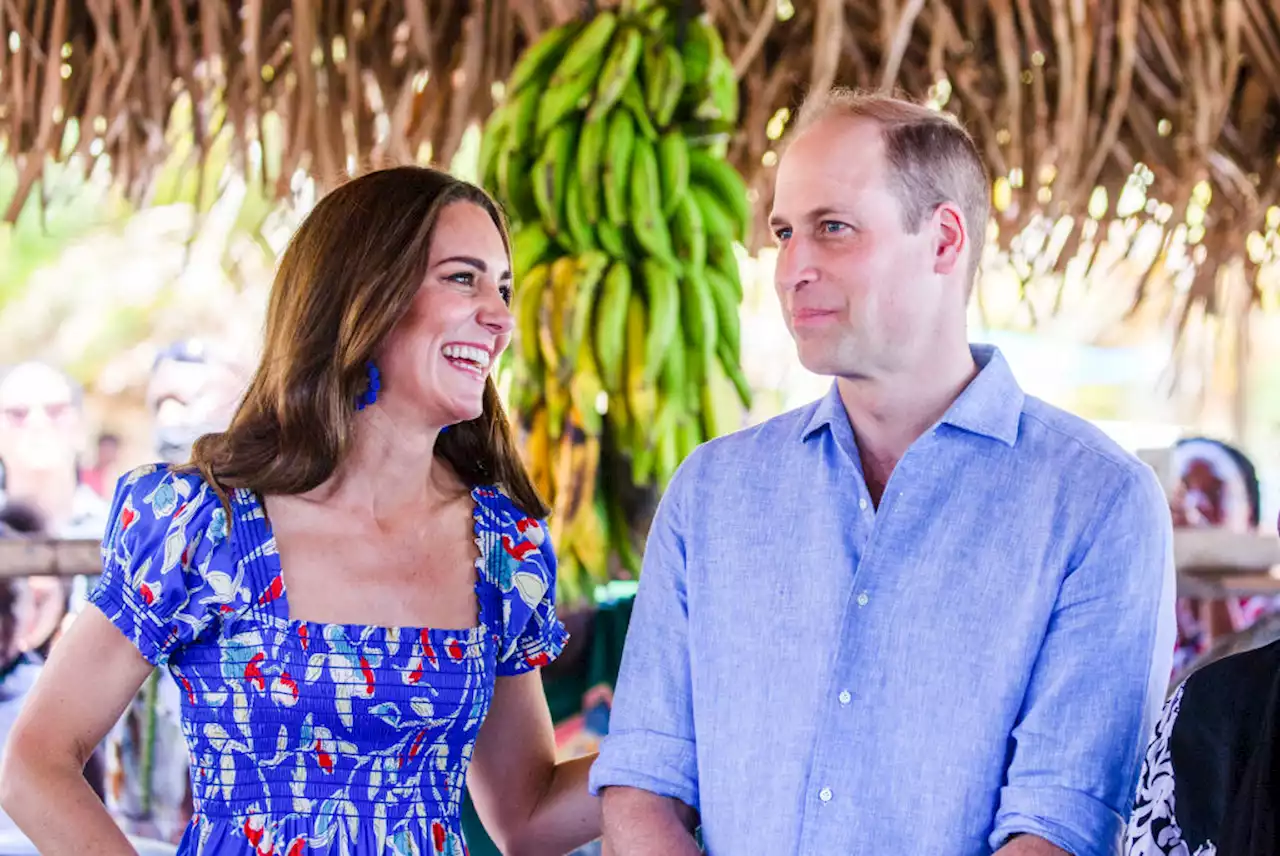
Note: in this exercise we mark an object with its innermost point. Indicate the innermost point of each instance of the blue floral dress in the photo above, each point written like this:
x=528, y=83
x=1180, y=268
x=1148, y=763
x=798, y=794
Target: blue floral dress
x=310, y=738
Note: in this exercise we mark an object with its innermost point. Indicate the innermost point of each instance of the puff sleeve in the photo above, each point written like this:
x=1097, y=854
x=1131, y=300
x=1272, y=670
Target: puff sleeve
x=521, y=561
x=159, y=560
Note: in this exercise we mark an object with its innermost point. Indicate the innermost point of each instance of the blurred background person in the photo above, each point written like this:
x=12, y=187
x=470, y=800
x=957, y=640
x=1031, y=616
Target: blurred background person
x=192, y=390
x=1217, y=488
x=101, y=477
x=41, y=435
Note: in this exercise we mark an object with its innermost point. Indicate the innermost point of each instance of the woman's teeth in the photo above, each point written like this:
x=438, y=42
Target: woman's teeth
x=475, y=359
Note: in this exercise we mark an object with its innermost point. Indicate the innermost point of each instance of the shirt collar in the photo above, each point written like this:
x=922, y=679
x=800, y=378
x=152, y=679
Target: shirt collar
x=991, y=405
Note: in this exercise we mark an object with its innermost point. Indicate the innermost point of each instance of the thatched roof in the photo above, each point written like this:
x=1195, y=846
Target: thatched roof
x=1063, y=95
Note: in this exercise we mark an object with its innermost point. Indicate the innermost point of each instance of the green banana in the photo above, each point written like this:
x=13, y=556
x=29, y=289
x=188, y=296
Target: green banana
x=672, y=88
x=587, y=47
x=633, y=100
x=729, y=362
x=592, y=267
x=496, y=131
x=514, y=181
x=700, y=322
x=722, y=100
x=663, y=291
x=655, y=73
x=617, y=166
x=667, y=455
x=647, y=222
x=720, y=256
x=591, y=148
x=619, y=70
x=612, y=240
x=528, y=302
x=697, y=50
x=561, y=101
x=585, y=388
x=611, y=325
x=729, y=321
x=716, y=222
x=539, y=59
x=726, y=183
x=655, y=19
x=689, y=234
x=550, y=178
x=522, y=122
x=575, y=218
x=529, y=245
x=673, y=167
x=674, y=381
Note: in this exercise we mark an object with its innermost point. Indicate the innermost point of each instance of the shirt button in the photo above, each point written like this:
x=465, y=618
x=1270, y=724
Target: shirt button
x=845, y=697
x=863, y=600
x=825, y=795
x=862, y=503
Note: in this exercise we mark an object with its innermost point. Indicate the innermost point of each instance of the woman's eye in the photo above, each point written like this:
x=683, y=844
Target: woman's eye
x=505, y=291
x=465, y=277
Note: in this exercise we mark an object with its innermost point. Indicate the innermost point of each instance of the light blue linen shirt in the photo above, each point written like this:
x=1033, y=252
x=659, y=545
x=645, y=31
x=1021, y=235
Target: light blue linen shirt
x=984, y=655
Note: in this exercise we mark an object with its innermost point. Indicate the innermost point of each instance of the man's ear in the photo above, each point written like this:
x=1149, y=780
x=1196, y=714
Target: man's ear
x=951, y=238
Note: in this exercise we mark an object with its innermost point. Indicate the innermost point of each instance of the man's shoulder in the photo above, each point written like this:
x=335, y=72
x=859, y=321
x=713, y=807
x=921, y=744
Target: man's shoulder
x=760, y=442
x=1064, y=440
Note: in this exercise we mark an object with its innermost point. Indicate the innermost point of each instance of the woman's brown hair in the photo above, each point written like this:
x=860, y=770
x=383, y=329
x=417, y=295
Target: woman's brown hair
x=348, y=276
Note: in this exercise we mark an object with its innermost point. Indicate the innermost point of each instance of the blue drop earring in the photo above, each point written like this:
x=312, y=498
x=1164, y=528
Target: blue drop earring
x=370, y=394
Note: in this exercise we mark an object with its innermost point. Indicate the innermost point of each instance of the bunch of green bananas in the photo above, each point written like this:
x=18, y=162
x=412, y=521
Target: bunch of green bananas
x=607, y=153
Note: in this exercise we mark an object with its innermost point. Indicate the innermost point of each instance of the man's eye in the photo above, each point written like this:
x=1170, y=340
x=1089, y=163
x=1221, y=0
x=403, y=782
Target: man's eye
x=834, y=227
x=782, y=234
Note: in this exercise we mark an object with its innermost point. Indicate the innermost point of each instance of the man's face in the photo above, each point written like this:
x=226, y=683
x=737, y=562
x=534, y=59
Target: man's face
x=859, y=292
x=39, y=420
x=190, y=399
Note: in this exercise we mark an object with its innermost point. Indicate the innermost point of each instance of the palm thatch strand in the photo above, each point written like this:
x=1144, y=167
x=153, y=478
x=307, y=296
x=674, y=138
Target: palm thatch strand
x=1177, y=97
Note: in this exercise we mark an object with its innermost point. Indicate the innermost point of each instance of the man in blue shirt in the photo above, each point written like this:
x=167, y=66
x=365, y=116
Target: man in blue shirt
x=926, y=614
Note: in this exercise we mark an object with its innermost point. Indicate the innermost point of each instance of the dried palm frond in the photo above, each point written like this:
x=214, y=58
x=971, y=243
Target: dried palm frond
x=1175, y=100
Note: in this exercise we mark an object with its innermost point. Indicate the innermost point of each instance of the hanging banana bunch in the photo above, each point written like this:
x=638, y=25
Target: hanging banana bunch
x=607, y=152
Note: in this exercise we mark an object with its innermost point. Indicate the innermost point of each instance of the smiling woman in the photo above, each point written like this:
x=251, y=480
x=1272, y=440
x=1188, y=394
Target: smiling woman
x=354, y=602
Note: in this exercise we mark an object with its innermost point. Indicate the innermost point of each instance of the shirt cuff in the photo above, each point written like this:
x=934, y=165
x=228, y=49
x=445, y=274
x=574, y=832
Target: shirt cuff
x=658, y=763
x=1074, y=821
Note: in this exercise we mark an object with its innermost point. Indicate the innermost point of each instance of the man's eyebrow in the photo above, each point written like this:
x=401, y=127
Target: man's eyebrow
x=819, y=213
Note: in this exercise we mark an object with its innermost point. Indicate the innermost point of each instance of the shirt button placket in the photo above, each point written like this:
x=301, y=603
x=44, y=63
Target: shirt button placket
x=845, y=697
x=825, y=795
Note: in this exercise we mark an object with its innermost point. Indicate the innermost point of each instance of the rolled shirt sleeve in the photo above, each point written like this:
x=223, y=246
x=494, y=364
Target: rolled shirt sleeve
x=1098, y=683
x=651, y=743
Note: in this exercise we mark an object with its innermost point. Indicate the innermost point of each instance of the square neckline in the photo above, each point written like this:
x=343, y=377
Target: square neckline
x=275, y=567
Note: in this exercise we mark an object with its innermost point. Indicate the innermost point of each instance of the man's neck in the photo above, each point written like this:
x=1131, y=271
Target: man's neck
x=890, y=413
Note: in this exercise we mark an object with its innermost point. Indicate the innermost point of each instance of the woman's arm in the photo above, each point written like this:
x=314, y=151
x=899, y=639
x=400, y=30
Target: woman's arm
x=92, y=674
x=528, y=803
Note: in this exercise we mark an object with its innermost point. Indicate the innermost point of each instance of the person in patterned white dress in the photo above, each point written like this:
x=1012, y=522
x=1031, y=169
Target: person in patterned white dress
x=352, y=585
x=1210, y=783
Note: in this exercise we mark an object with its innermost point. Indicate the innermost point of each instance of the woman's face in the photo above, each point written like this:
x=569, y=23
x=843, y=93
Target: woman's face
x=439, y=355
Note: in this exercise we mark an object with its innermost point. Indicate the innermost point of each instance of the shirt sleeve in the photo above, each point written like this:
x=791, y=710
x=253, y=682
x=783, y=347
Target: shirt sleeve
x=1099, y=682
x=535, y=634
x=650, y=744
x=161, y=536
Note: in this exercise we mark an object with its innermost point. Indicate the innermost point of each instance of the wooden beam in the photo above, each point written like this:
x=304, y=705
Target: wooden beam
x=22, y=557
x=1210, y=553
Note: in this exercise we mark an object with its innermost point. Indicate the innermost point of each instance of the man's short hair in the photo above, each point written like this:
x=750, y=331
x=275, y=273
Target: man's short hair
x=932, y=158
